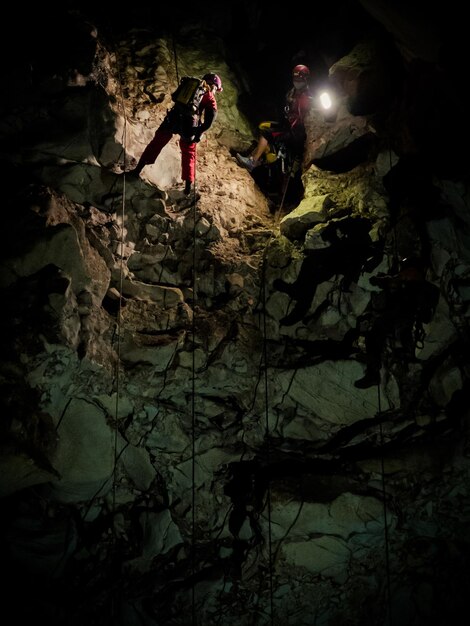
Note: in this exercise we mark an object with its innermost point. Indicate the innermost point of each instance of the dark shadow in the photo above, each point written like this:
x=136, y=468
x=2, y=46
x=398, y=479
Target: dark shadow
x=351, y=251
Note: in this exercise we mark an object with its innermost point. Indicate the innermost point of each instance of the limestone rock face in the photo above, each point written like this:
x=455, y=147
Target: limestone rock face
x=245, y=406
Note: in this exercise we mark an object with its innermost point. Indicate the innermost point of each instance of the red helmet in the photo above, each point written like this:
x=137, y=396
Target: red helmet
x=213, y=79
x=301, y=71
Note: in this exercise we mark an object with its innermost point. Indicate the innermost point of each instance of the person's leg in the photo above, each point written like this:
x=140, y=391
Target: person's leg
x=153, y=149
x=260, y=148
x=188, y=164
x=252, y=161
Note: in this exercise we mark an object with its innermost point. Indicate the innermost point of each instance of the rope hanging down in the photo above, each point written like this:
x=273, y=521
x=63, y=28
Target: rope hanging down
x=119, y=313
x=117, y=455
x=266, y=432
x=193, y=388
x=193, y=420
x=384, y=500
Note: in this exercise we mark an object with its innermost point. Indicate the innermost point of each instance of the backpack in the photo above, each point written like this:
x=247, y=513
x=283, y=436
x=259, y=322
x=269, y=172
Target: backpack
x=188, y=95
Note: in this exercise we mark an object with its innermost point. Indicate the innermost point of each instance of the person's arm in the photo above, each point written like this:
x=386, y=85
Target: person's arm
x=305, y=103
x=208, y=111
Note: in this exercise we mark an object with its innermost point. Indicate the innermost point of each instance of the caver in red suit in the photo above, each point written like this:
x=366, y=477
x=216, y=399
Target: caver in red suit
x=189, y=128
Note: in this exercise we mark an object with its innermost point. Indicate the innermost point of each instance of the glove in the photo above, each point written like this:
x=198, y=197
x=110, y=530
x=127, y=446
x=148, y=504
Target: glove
x=196, y=138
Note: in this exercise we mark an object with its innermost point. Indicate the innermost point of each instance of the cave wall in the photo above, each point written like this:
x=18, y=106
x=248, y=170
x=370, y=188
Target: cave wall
x=183, y=440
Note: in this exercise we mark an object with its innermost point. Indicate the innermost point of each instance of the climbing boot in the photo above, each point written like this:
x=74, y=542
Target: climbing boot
x=247, y=162
x=191, y=190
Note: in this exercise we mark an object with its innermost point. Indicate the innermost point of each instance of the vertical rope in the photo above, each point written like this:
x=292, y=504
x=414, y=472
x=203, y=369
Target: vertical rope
x=117, y=383
x=382, y=461
x=193, y=419
x=286, y=185
x=175, y=56
x=394, y=229
x=266, y=436
x=118, y=329
x=193, y=392
x=384, y=500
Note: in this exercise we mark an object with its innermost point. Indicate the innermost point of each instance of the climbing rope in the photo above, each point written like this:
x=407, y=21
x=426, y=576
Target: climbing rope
x=193, y=420
x=384, y=500
x=286, y=185
x=121, y=244
x=175, y=56
x=266, y=433
x=193, y=385
x=118, y=325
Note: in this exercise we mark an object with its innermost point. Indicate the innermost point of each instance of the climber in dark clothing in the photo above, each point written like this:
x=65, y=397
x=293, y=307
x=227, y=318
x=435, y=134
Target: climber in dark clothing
x=407, y=300
x=351, y=251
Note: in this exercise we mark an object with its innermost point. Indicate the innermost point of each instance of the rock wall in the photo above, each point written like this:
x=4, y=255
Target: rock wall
x=231, y=410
